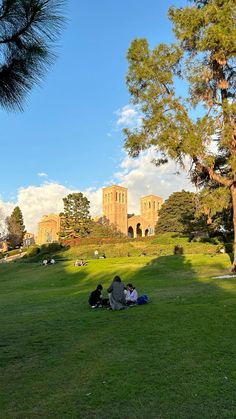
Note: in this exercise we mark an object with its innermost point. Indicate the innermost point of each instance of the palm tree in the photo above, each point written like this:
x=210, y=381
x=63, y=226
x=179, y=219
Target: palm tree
x=28, y=30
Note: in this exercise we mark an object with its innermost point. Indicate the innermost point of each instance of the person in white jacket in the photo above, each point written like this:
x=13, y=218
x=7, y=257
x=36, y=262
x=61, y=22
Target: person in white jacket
x=131, y=295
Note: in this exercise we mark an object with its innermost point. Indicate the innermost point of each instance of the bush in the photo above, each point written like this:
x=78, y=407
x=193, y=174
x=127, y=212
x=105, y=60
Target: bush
x=50, y=248
x=228, y=247
x=32, y=251
x=178, y=250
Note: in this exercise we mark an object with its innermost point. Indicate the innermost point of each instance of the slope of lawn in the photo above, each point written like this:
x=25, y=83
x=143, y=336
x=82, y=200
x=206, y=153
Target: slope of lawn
x=172, y=358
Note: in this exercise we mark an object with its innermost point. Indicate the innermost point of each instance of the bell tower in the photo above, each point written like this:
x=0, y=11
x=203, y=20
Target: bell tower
x=150, y=206
x=114, y=205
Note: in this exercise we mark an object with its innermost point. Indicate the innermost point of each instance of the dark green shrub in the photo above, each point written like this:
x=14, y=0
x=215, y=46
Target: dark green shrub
x=178, y=250
x=228, y=247
x=32, y=251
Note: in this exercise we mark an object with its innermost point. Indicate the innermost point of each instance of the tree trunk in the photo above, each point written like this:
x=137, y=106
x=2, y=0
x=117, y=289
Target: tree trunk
x=233, y=194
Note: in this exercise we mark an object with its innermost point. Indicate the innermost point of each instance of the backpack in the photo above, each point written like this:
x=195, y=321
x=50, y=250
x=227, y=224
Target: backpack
x=143, y=299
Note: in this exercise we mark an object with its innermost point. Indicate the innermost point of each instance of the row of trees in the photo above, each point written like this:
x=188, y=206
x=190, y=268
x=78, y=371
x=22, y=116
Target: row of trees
x=187, y=213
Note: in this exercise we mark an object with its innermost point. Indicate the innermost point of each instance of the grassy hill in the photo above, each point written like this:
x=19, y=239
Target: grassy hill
x=173, y=358
x=161, y=245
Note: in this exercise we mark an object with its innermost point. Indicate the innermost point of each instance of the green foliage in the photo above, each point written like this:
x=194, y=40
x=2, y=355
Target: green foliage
x=16, y=228
x=76, y=221
x=178, y=250
x=36, y=253
x=203, y=57
x=177, y=213
x=103, y=228
x=28, y=28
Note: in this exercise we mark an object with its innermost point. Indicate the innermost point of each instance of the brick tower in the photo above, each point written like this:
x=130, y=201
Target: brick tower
x=114, y=205
x=150, y=205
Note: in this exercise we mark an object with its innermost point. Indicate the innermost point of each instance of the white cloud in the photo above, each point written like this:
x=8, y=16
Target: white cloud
x=141, y=177
x=42, y=174
x=128, y=116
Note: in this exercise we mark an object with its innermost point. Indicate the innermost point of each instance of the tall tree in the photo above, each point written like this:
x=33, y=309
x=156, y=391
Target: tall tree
x=16, y=228
x=76, y=221
x=203, y=57
x=177, y=213
x=28, y=29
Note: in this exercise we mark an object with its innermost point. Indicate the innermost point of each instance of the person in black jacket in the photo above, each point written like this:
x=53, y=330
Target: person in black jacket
x=95, y=298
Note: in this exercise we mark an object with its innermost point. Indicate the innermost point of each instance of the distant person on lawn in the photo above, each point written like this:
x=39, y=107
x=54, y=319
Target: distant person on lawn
x=116, y=294
x=131, y=295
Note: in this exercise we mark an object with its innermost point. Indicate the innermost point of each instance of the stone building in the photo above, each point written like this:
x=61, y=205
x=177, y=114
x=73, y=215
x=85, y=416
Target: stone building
x=48, y=229
x=115, y=205
x=28, y=239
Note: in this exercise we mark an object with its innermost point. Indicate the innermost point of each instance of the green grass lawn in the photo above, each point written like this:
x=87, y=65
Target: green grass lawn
x=173, y=358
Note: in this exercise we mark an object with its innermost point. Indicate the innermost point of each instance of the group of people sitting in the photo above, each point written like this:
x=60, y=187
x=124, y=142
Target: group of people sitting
x=80, y=262
x=48, y=262
x=119, y=296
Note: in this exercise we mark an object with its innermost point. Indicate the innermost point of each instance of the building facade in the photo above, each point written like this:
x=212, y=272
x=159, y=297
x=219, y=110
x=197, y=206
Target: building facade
x=115, y=209
x=29, y=239
x=48, y=229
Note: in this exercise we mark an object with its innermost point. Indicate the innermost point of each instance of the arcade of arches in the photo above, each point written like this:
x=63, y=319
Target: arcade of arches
x=115, y=205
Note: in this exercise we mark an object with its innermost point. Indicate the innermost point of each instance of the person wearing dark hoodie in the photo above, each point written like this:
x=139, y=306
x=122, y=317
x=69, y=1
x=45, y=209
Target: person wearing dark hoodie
x=95, y=298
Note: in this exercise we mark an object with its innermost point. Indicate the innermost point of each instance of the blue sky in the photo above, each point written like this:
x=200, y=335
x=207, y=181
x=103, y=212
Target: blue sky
x=68, y=133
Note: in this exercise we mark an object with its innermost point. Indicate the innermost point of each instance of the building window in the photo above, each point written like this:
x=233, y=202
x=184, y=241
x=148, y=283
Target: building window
x=116, y=196
x=119, y=196
x=123, y=197
x=149, y=204
x=154, y=204
x=145, y=204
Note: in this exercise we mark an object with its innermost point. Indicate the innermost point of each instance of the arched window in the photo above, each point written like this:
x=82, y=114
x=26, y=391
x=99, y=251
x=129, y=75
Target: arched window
x=130, y=232
x=138, y=230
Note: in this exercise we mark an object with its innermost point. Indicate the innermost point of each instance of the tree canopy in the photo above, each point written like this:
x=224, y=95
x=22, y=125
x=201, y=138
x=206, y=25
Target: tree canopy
x=103, y=228
x=177, y=213
x=28, y=30
x=203, y=59
x=16, y=228
x=76, y=221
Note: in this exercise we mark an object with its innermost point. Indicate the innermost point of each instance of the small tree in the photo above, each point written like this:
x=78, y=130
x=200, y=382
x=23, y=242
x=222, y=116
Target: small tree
x=76, y=221
x=16, y=228
x=204, y=58
x=28, y=29
x=103, y=228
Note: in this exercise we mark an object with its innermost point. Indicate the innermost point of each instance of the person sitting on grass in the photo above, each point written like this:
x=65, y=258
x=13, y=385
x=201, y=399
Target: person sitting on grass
x=95, y=298
x=131, y=295
x=81, y=262
x=116, y=294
